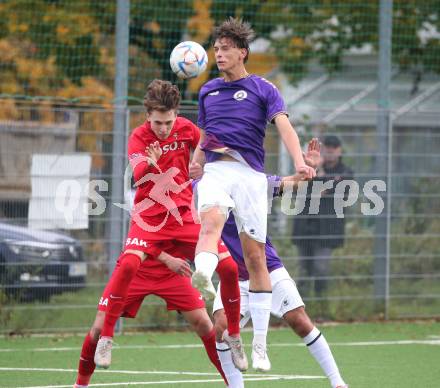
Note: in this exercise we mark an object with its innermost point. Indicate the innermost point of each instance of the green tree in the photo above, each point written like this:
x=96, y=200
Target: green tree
x=157, y=29
x=301, y=31
x=65, y=31
x=48, y=44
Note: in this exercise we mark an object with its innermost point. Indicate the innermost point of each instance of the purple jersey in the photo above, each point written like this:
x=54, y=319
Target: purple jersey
x=234, y=116
x=232, y=240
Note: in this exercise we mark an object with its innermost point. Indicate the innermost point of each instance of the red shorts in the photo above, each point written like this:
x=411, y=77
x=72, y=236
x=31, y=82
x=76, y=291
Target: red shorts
x=155, y=278
x=175, y=289
x=172, y=235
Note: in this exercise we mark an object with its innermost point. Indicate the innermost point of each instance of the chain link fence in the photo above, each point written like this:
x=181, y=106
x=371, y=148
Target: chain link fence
x=51, y=280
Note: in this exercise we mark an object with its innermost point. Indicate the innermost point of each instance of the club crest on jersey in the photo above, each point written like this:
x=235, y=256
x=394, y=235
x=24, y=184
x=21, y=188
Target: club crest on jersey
x=240, y=95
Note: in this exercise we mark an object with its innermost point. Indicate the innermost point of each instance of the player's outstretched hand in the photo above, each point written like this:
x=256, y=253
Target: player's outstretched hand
x=195, y=170
x=313, y=155
x=179, y=266
x=291, y=181
x=154, y=152
x=306, y=171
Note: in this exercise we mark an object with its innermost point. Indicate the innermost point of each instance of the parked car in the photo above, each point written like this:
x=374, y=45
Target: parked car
x=36, y=264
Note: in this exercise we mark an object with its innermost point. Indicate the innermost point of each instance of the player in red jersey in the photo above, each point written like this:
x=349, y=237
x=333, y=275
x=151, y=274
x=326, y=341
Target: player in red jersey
x=168, y=278
x=162, y=222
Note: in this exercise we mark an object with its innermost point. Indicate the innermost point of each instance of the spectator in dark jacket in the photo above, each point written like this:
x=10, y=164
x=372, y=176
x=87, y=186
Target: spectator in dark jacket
x=317, y=235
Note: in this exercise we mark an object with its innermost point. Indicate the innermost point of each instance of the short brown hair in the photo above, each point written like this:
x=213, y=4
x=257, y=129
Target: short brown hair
x=238, y=31
x=162, y=96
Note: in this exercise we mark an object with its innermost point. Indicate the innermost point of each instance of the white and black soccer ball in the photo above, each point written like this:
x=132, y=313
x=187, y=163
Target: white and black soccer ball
x=188, y=59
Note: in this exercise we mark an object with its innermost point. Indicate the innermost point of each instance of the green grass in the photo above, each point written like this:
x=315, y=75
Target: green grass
x=385, y=365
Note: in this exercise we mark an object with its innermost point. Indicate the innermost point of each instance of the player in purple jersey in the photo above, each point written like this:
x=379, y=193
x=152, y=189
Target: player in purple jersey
x=286, y=300
x=233, y=113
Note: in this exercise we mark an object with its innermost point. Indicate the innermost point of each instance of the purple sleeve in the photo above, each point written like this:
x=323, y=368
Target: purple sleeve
x=275, y=103
x=201, y=116
x=194, y=183
x=273, y=185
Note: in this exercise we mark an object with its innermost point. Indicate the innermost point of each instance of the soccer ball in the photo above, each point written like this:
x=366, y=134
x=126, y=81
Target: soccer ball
x=188, y=59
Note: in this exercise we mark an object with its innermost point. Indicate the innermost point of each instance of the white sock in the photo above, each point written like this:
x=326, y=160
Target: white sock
x=320, y=350
x=233, y=375
x=260, y=304
x=206, y=262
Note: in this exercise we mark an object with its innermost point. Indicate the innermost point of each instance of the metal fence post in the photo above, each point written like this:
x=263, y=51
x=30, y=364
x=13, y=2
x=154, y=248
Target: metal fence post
x=118, y=149
x=285, y=168
x=382, y=229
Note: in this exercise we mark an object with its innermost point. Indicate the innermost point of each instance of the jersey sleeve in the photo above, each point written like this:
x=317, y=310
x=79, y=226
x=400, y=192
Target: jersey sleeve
x=274, y=185
x=274, y=101
x=138, y=158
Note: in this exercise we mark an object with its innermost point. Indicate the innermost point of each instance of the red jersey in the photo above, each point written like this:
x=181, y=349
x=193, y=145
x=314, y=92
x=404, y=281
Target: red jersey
x=164, y=187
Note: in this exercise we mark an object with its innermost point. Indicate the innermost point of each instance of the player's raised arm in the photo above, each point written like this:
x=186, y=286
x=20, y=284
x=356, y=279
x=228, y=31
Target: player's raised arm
x=195, y=171
x=312, y=158
x=199, y=154
x=291, y=141
x=198, y=159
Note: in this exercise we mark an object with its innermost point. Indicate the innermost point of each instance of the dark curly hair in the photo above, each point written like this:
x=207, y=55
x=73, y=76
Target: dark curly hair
x=162, y=96
x=238, y=31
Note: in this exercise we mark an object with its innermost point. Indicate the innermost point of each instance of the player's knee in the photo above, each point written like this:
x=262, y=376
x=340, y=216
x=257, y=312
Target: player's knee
x=210, y=231
x=228, y=269
x=127, y=271
x=299, y=321
x=199, y=321
x=128, y=268
x=211, y=225
x=202, y=326
x=255, y=262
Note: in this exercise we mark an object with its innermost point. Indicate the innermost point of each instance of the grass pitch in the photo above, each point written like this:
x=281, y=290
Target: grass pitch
x=369, y=355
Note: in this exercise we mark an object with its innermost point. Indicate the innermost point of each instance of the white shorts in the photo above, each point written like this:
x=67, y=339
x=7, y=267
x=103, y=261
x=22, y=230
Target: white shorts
x=237, y=187
x=285, y=296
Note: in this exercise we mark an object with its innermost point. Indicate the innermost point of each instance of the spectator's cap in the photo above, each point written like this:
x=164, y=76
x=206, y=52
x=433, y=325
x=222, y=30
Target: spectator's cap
x=332, y=141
